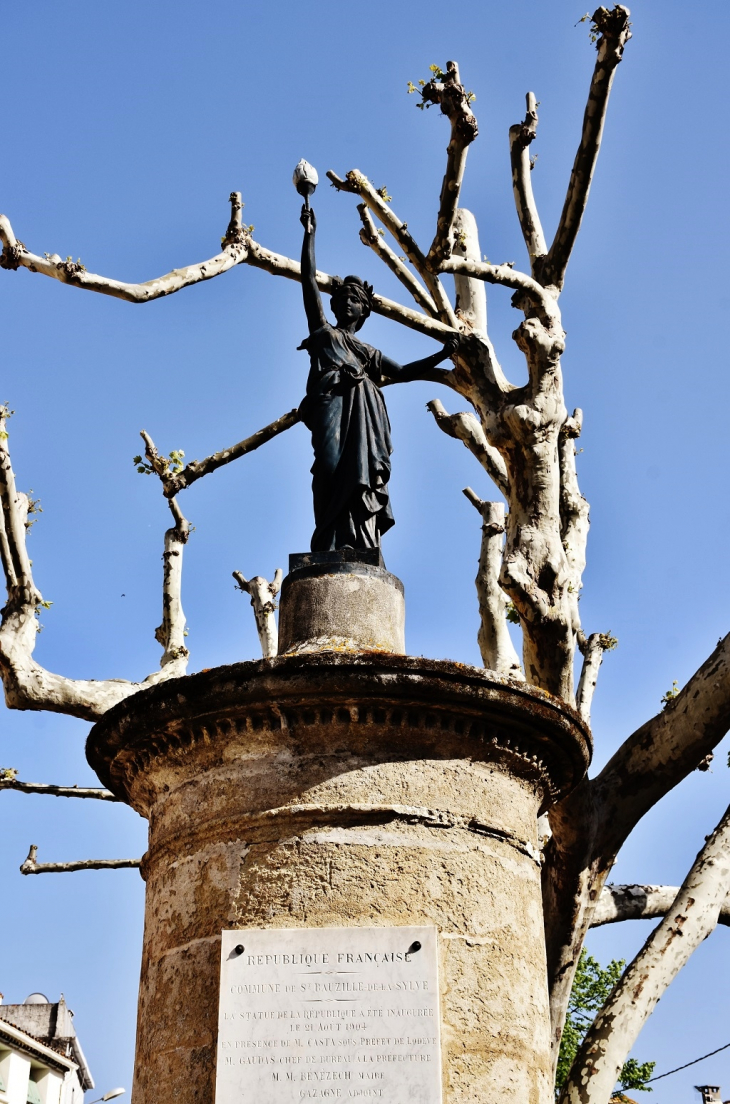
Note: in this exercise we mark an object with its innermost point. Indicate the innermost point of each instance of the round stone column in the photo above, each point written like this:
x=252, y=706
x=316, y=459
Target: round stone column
x=328, y=790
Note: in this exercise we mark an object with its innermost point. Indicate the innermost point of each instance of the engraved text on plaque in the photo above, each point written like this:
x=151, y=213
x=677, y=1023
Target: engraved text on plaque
x=329, y=1014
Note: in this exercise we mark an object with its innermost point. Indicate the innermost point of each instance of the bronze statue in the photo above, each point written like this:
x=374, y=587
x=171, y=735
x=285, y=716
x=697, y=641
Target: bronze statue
x=345, y=411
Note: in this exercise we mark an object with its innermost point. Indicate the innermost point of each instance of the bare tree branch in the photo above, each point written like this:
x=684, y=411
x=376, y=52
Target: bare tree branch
x=465, y=427
x=358, y=184
x=27, y=685
x=591, y=824
x=30, y=866
x=692, y=917
x=574, y=511
x=171, y=632
x=369, y=236
x=574, y=526
x=471, y=295
x=454, y=101
x=520, y=137
x=592, y=649
x=263, y=599
x=174, y=482
x=613, y=28
x=661, y=753
x=279, y=265
x=11, y=783
x=15, y=255
x=495, y=644
x=545, y=304
x=641, y=902
x=239, y=248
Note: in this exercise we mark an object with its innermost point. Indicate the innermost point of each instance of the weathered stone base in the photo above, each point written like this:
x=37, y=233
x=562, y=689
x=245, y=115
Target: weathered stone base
x=334, y=604
x=331, y=790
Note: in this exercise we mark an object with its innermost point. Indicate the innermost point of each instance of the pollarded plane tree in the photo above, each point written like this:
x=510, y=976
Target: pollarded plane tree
x=532, y=556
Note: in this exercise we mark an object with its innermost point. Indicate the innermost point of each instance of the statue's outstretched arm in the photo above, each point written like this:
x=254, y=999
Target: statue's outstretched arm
x=310, y=292
x=418, y=369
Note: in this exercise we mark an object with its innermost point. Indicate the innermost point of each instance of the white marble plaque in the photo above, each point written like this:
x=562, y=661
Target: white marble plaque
x=347, y=1014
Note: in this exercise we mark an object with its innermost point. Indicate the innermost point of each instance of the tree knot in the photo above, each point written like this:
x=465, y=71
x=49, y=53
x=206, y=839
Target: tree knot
x=10, y=256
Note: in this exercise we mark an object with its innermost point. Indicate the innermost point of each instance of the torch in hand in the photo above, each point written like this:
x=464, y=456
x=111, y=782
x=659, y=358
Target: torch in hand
x=305, y=180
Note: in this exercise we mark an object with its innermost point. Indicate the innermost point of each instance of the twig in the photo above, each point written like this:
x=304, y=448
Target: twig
x=30, y=866
x=661, y=752
x=173, y=483
x=235, y=252
x=56, y=791
x=279, y=265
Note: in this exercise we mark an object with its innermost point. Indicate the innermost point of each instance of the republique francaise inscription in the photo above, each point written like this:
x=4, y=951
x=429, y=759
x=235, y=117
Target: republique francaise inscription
x=329, y=1014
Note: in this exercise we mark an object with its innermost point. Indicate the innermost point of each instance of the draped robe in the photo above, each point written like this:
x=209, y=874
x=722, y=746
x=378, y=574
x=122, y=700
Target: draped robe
x=345, y=411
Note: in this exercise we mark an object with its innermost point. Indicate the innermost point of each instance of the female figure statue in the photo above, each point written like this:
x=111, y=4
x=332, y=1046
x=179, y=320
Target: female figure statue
x=345, y=411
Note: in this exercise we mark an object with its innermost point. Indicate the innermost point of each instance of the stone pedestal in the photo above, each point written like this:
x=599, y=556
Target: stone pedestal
x=341, y=601
x=329, y=790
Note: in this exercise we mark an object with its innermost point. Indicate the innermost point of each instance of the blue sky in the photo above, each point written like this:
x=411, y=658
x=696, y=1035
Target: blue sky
x=125, y=127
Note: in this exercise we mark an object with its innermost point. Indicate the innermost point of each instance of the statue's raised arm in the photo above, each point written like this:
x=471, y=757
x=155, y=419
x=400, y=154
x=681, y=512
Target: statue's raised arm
x=310, y=292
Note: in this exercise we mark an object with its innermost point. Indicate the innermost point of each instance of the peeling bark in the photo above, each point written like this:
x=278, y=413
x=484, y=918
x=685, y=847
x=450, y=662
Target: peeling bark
x=471, y=295
x=171, y=632
x=641, y=902
x=279, y=265
x=541, y=568
x=263, y=599
x=522, y=436
x=569, y=892
x=495, y=643
x=505, y=275
x=15, y=255
x=520, y=137
x=592, y=648
x=662, y=752
x=535, y=572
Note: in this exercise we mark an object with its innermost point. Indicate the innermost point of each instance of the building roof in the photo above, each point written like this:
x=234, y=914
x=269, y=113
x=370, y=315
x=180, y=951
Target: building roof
x=51, y=1025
